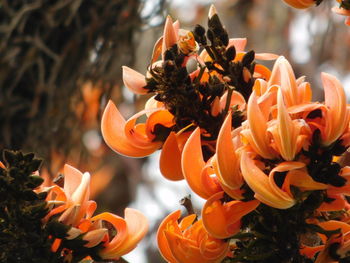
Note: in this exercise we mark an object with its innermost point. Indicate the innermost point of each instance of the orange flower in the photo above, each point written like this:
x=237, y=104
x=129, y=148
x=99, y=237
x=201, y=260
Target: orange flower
x=227, y=158
x=170, y=156
x=73, y=199
x=337, y=113
x=129, y=232
x=342, y=240
x=187, y=241
x=134, y=80
x=257, y=135
x=76, y=210
x=264, y=186
x=223, y=220
x=198, y=174
x=288, y=136
x=129, y=138
x=295, y=91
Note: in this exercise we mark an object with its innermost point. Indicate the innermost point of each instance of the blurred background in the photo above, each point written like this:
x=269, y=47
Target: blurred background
x=60, y=62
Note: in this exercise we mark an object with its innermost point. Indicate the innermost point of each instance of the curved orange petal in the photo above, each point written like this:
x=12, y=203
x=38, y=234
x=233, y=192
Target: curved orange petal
x=134, y=80
x=282, y=75
x=213, y=249
x=112, y=127
x=187, y=221
x=304, y=181
x=163, y=117
x=193, y=167
x=94, y=237
x=169, y=35
x=90, y=209
x=260, y=87
x=56, y=244
x=262, y=72
x=168, y=224
x=82, y=192
x=334, y=224
x=285, y=133
x=157, y=50
x=122, y=233
x=236, y=194
x=55, y=211
x=258, y=181
x=137, y=134
x=84, y=225
x=337, y=204
x=137, y=227
x=170, y=159
x=72, y=179
x=223, y=220
x=304, y=93
x=236, y=99
x=227, y=160
x=337, y=116
x=283, y=193
x=310, y=251
x=257, y=132
x=185, y=251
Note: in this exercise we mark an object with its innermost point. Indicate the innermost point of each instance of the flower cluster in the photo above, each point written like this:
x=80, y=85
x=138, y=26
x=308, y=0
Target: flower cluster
x=76, y=233
x=343, y=8
x=250, y=141
x=43, y=222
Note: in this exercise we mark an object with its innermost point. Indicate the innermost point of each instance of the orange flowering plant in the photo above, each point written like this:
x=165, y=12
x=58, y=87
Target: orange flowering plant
x=250, y=141
x=43, y=222
x=70, y=208
x=182, y=100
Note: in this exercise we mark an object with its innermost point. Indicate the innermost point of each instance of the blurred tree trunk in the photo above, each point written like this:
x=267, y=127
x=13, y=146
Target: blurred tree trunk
x=47, y=50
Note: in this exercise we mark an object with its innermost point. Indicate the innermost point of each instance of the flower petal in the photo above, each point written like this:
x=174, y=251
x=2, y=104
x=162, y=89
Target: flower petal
x=168, y=223
x=285, y=133
x=236, y=99
x=95, y=237
x=227, y=160
x=134, y=81
x=137, y=227
x=258, y=181
x=184, y=252
x=282, y=75
x=112, y=127
x=162, y=117
x=193, y=167
x=169, y=35
x=122, y=234
x=339, y=203
x=223, y=220
x=72, y=179
x=337, y=116
x=257, y=132
x=82, y=193
x=170, y=159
